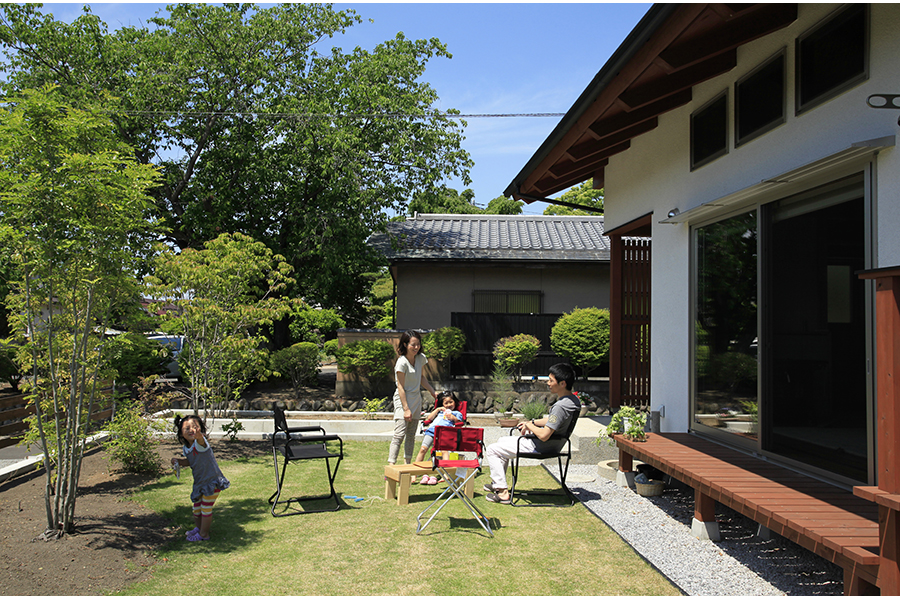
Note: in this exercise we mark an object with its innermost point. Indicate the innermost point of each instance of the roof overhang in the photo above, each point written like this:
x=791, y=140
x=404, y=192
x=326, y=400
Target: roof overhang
x=672, y=49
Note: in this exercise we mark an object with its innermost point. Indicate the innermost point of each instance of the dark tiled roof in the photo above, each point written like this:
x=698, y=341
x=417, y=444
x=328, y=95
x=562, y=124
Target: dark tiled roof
x=494, y=237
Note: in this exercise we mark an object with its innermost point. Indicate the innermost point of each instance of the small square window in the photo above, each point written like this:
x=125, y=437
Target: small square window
x=759, y=100
x=833, y=57
x=709, y=131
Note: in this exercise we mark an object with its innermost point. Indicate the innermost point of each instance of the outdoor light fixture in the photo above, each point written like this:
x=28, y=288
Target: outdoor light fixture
x=674, y=213
x=884, y=101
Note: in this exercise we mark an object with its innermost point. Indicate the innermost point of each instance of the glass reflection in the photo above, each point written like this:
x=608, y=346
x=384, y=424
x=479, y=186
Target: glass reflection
x=725, y=333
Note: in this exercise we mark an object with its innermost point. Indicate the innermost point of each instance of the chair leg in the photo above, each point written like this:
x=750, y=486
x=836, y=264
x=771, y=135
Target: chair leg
x=563, y=471
x=455, y=488
x=275, y=498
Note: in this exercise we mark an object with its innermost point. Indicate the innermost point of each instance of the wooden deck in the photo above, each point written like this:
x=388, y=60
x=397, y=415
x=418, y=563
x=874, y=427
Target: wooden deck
x=828, y=520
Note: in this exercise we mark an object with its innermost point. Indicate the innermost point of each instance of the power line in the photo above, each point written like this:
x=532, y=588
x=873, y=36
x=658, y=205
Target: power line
x=279, y=115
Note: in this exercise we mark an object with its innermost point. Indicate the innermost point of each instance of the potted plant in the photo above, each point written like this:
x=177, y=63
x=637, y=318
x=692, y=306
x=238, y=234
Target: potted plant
x=533, y=409
x=630, y=422
x=585, y=399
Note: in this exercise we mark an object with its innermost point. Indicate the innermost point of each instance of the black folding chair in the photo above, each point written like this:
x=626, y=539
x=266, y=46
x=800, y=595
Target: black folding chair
x=469, y=440
x=300, y=443
x=565, y=452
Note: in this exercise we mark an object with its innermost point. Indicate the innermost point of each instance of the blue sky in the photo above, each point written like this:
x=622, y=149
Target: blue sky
x=507, y=58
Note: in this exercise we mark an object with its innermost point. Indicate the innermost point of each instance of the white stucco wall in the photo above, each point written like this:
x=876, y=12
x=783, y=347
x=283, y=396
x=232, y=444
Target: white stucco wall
x=426, y=295
x=654, y=176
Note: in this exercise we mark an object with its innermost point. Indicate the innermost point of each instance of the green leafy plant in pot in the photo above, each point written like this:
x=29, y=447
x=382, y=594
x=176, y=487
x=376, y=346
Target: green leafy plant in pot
x=629, y=422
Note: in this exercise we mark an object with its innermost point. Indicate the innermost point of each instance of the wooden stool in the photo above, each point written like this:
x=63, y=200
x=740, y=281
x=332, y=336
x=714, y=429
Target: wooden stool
x=402, y=474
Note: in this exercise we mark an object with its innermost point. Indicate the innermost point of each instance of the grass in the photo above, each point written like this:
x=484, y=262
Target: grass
x=370, y=548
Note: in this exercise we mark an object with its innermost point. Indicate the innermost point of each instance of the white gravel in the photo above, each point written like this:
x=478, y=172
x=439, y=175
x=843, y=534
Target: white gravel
x=741, y=564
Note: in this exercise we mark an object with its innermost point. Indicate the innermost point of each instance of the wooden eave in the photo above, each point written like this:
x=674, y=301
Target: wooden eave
x=674, y=48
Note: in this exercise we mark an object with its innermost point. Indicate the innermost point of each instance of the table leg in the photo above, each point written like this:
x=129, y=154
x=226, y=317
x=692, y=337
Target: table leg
x=403, y=497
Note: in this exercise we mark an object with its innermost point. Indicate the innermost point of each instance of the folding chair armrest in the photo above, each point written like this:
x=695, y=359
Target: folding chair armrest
x=306, y=428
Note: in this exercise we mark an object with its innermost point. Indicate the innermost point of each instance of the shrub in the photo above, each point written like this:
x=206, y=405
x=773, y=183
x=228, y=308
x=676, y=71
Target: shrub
x=533, y=409
x=132, y=443
x=330, y=347
x=366, y=358
x=444, y=344
x=300, y=362
x=314, y=325
x=582, y=337
x=9, y=370
x=132, y=355
x=514, y=351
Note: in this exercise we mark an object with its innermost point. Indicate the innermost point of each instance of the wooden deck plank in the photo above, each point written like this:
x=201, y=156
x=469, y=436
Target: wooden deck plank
x=825, y=519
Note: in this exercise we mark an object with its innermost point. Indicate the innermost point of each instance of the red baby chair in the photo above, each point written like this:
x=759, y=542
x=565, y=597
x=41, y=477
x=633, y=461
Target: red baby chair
x=460, y=406
x=469, y=440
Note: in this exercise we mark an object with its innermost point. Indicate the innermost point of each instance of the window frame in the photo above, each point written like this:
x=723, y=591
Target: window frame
x=800, y=106
x=720, y=97
x=740, y=140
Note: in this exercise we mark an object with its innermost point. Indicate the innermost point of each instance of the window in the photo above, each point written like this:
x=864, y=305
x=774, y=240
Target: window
x=501, y=301
x=832, y=57
x=709, y=132
x=759, y=100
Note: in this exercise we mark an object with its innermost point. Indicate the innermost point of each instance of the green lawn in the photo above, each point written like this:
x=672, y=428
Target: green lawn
x=371, y=547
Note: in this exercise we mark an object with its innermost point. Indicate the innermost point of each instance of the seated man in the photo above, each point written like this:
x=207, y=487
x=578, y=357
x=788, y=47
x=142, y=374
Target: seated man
x=566, y=408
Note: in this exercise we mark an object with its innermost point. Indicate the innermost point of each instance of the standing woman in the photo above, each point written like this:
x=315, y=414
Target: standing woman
x=408, y=373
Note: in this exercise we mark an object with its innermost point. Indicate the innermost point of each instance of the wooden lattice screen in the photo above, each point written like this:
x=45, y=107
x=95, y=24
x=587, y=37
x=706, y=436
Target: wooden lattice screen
x=630, y=308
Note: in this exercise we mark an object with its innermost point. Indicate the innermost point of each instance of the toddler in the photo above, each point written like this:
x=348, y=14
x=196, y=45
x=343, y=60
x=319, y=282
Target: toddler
x=208, y=478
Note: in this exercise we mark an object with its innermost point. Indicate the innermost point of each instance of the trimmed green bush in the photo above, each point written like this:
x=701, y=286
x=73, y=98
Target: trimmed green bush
x=300, y=362
x=330, y=347
x=366, y=358
x=132, y=442
x=444, y=344
x=515, y=351
x=314, y=325
x=582, y=337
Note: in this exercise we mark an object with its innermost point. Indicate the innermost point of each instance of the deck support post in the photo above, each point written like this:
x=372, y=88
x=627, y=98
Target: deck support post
x=704, y=525
x=625, y=474
x=887, y=427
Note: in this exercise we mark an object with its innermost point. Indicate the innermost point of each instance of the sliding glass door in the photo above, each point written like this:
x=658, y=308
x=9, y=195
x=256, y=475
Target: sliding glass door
x=780, y=345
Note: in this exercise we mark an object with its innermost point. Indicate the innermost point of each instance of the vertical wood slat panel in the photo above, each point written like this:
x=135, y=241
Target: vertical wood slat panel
x=635, y=324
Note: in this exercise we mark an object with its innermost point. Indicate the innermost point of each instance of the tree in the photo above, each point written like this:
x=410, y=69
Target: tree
x=444, y=201
x=444, y=344
x=221, y=295
x=257, y=131
x=582, y=336
x=583, y=194
x=512, y=352
x=76, y=221
x=314, y=325
x=501, y=205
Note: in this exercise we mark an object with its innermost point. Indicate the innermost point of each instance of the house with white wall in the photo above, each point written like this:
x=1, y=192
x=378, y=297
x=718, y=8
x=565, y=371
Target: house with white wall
x=755, y=145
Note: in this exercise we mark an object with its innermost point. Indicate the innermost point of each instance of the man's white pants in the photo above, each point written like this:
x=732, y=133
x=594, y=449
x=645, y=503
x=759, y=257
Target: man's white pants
x=501, y=452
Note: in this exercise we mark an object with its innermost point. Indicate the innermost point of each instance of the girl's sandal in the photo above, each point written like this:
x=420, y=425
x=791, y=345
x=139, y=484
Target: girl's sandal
x=196, y=537
x=192, y=532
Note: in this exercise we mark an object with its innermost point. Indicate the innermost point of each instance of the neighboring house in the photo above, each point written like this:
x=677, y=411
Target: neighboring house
x=755, y=145
x=446, y=265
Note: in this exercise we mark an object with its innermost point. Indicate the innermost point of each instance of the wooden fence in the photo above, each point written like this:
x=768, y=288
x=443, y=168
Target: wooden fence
x=14, y=409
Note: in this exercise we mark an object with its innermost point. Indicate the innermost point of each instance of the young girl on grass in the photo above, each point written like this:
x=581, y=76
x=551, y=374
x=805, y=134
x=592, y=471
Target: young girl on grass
x=208, y=478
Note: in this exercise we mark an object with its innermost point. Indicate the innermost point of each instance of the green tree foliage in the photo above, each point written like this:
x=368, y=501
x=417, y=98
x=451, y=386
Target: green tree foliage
x=582, y=336
x=387, y=319
x=583, y=194
x=369, y=359
x=131, y=356
x=444, y=344
x=513, y=352
x=221, y=295
x=444, y=201
x=75, y=220
x=501, y=205
x=308, y=324
x=255, y=129
x=300, y=362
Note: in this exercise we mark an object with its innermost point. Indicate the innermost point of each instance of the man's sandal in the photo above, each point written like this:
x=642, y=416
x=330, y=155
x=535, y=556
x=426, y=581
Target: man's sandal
x=497, y=499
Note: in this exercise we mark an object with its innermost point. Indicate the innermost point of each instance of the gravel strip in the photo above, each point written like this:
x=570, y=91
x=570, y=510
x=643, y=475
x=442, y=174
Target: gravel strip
x=741, y=564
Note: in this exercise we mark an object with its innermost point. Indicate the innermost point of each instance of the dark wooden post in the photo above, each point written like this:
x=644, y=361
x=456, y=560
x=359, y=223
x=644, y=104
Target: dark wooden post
x=887, y=425
x=615, y=323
